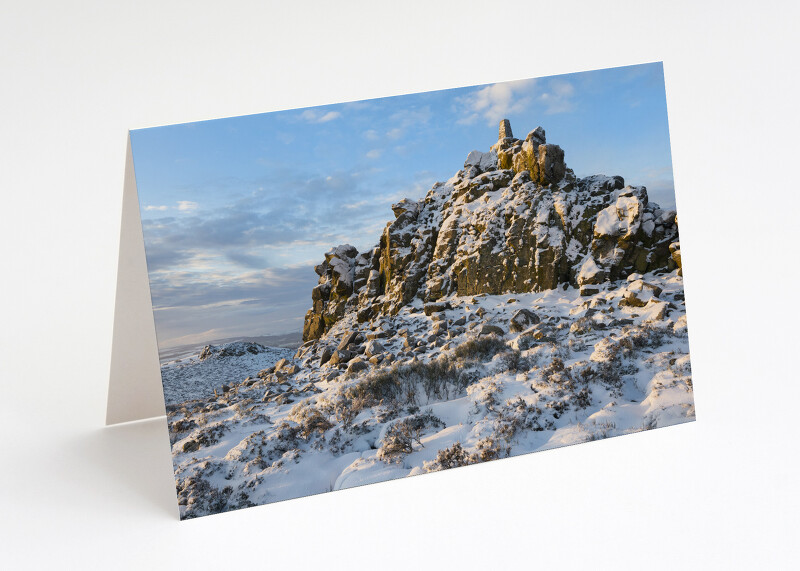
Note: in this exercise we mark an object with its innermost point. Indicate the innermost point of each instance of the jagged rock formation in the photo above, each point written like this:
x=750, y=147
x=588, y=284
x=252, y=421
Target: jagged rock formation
x=515, y=219
x=236, y=349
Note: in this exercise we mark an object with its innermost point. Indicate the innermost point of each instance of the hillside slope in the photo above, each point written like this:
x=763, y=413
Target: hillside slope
x=514, y=309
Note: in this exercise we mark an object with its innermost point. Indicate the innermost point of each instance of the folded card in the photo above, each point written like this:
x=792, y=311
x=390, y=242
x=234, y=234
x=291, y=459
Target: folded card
x=365, y=291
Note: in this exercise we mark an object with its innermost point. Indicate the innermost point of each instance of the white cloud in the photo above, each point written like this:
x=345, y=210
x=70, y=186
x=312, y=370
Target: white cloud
x=374, y=154
x=151, y=207
x=371, y=135
x=224, y=303
x=395, y=133
x=329, y=116
x=186, y=205
x=313, y=116
x=497, y=101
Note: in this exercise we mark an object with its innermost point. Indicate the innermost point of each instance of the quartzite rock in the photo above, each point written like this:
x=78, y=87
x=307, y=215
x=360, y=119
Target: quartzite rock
x=515, y=219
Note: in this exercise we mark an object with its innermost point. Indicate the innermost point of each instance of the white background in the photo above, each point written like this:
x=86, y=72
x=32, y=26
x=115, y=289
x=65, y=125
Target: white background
x=718, y=493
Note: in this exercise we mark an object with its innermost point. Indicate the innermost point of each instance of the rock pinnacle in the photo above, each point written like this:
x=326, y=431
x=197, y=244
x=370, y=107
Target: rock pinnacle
x=505, y=129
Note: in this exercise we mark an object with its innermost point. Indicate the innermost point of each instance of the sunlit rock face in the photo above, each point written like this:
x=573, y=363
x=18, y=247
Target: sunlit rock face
x=514, y=219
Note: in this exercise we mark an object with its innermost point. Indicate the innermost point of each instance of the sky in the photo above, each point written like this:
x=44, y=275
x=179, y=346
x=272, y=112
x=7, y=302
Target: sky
x=236, y=212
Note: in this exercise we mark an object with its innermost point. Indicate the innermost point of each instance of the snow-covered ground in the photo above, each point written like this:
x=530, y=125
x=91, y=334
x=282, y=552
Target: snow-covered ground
x=481, y=378
x=192, y=377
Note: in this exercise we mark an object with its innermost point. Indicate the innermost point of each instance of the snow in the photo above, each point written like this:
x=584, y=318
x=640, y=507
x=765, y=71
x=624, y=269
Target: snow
x=193, y=378
x=619, y=219
x=589, y=270
x=484, y=161
x=591, y=369
x=343, y=270
x=455, y=387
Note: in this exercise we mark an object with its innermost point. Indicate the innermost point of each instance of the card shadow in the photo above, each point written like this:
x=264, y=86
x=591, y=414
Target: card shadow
x=137, y=456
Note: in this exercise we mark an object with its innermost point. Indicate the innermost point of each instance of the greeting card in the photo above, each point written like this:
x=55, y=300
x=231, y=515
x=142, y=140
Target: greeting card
x=353, y=293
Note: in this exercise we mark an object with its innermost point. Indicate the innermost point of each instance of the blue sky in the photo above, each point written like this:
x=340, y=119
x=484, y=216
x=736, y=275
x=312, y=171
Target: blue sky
x=236, y=212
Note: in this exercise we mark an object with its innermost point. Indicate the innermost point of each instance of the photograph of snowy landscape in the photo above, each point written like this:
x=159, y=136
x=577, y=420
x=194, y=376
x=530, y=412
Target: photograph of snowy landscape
x=367, y=291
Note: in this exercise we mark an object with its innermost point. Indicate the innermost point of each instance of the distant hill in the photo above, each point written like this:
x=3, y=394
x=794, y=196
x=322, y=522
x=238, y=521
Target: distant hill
x=284, y=341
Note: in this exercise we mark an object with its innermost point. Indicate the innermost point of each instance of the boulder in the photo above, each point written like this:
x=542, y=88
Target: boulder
x=348, y=339
x=314, y=326
x=263, y=373
x=321, y=292
x=356, y=366
x=536, y=137
x=590, y=273
x=588, y=290
x=432, y=308
x=655, y=310
x=373, y=348
x=521, y=320
x=340, y=356
x=355, y=348
x=641, y=285
x=483, y=162
x=551, y=164
x=488, y=329
x=325, y=355
x=364, y=314
x=620, y=220
x=639, y=293
x=406, y=206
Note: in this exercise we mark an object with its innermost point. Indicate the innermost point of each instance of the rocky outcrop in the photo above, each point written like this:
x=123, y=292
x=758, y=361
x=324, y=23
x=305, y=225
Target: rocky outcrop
x=344, y=275
x=513, y=219
x=235, y=349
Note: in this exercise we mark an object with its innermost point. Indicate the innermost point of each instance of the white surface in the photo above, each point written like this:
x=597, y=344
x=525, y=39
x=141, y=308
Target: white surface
x=718, y=493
